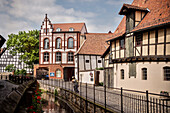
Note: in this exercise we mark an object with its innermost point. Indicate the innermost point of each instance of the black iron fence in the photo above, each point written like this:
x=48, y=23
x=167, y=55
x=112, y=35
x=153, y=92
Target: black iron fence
x=16, y=79
x=117, y=99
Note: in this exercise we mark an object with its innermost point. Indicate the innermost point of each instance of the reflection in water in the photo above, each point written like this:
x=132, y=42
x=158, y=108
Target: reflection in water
x=54, y=105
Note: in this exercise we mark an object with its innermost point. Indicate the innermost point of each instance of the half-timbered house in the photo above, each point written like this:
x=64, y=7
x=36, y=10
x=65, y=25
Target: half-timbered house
x=139, y=52
x=58, y=43
x=89, y=64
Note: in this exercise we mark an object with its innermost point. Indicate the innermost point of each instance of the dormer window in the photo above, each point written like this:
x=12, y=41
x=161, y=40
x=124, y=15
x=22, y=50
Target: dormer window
x=71, y=29
x=58, y=29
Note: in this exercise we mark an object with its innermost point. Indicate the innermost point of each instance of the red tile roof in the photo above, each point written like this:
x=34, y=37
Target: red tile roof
x=66, y=26
x=128, y=6
x=95, y=44
x=159, y=14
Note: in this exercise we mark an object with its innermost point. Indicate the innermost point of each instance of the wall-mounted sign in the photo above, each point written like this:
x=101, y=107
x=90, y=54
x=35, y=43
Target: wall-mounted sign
x=91, y=74
x=51, y=74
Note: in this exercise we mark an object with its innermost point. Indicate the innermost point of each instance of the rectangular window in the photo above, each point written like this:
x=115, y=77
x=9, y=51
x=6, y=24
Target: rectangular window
x=122, y=73
x=99, y=61
x=70, y=56
x=144, y=73
x=58, y=56
x=46, y=57
x=167, y=73
x=87, y=61
x=122, y=43
x=138, y=39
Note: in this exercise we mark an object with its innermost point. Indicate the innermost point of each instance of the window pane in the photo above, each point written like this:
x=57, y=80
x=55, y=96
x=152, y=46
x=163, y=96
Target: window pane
x=46, y=57
x=144, y=73
x=46, y=43
x=58, y=73
x=70, y=56
x=122, y=73
x=122, y=43
x=70, y=43
x=58, y=43
x=167, y=73
x=58, y=56
x=138, y=39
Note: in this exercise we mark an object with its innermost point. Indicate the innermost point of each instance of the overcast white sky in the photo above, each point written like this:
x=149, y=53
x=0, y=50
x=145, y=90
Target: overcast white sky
x=24, y=15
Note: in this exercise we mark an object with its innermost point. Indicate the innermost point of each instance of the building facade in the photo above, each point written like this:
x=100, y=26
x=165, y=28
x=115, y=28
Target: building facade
x=7, y=59
x=58, y=43
x=139, y=51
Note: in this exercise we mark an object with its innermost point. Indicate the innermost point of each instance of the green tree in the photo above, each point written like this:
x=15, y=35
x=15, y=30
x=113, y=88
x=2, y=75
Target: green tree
x=26, y=43
x=10, y=68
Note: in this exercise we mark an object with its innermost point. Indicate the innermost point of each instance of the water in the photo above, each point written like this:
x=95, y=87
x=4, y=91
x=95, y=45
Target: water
x=51, y=104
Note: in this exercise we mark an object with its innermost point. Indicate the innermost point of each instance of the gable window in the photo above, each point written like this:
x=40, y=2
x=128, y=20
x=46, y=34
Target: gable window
x=122, y=73
x=58, y=29
x=87, y=61
x=46, y=43
x=70, y=43
x=58, y=56
x=70, y=56
x=58, y=43
x=138, y=39
x=99, y=61
x=166, y=73
x=46, y=31
x=58, y=73
x=122, y=43
x=46, y=57
x=71, y=29
x=144, y=73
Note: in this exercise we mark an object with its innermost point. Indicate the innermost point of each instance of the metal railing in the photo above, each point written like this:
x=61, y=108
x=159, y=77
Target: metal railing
x=117, y=99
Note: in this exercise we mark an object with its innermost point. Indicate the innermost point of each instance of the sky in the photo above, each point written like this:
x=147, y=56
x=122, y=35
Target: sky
x=24, y=15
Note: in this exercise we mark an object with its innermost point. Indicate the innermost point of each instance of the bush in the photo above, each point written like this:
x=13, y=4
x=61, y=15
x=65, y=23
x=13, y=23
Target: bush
x=101, y=84
x=101, y=68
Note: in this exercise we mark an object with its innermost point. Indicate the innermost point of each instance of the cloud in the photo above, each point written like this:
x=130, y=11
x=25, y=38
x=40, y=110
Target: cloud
x=17, y=15
x=117, y=2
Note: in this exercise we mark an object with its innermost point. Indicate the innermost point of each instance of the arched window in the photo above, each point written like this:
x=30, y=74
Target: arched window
x=58, y=73
x=70, y=56
x=46, y=43
x=58, y=43
x=122, y=73
x=58, y=29
x=70, y=43
x=58, y=56
x=144, y=73
x=46, y=57
x=166, y=73
x=71, y=29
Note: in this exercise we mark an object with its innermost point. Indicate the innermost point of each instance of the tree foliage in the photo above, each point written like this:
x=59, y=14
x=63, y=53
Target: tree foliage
x=10, y=68
x=26, y=43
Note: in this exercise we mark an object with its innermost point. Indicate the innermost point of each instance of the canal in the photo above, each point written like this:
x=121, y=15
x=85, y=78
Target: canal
x=52, y=104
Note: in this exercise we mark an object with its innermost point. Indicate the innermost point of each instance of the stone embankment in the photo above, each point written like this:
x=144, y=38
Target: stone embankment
x=11, y=100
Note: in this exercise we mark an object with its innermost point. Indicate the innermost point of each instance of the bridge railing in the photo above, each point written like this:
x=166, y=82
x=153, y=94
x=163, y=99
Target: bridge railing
x=115, y=99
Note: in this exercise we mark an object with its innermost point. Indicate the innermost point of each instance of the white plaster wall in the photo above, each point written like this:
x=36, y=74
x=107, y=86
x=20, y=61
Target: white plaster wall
x=99, y=64
x=93, y=62
x=87, y=57
x=155, y=78
x=81, y=62
x=86, y=78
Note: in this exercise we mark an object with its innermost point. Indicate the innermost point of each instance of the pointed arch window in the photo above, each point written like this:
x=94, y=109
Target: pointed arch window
x=70, y=43
x=58, y=43
x=46, y=43
x=58, y=73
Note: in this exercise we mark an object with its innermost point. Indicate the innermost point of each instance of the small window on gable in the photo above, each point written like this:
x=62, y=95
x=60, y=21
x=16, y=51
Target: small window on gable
x=122, y=73
x=46, y=31
x=144, y=73
x=71, y=29
x=58, y=29
x=87, y=61
x=166, y=73
x=99, y=61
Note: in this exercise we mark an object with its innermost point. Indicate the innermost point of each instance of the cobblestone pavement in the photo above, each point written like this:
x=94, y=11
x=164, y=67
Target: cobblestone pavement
x=132, y=102
x=5, y=89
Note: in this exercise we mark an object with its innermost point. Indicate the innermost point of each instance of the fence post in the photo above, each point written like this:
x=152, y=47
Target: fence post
x=147, y=101
x=94, y=98
x=105, y=97
x=86, y=97
x=121, y=100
